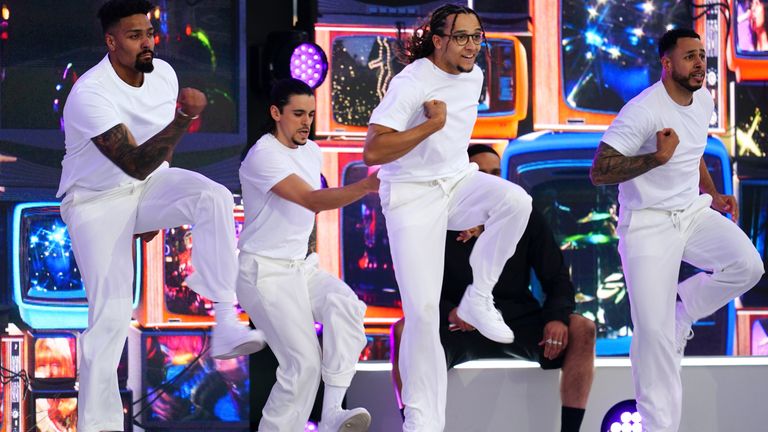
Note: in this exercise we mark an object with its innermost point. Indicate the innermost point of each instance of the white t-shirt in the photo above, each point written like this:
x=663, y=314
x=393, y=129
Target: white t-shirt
x=443, y=153
x=674, y=185
x=275, y=227
x=101, y=100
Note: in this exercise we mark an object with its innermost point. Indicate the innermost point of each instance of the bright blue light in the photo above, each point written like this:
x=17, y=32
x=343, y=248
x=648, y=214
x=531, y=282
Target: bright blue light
x=593, y=38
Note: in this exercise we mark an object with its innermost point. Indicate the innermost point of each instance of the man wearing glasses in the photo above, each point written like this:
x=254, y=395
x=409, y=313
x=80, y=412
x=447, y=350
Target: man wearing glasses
x=419, y=134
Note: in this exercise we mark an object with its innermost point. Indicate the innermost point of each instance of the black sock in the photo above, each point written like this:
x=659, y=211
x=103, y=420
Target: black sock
x=570, y=419
x=402, y=413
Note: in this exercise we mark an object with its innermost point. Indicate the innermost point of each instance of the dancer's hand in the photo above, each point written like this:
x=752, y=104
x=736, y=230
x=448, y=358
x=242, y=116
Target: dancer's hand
x=466, y=235
x=458, y=323
x=726, y=204
x=436, y=112
x=192, y=101
x=555, y=339
x=372, y=182
x=666, y=143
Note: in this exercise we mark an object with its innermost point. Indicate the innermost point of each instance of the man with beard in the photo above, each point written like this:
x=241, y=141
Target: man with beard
x=121, y=127
x=420, y=133
x=281, y=286
x=653, y=150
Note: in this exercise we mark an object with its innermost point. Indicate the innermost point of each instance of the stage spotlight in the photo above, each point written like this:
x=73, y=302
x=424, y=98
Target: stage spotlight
x=291, y=54
x=622, y=417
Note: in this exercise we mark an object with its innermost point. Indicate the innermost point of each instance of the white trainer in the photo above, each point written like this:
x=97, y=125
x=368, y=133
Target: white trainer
x=232, y=340
x=479, y=311
x=354, y=420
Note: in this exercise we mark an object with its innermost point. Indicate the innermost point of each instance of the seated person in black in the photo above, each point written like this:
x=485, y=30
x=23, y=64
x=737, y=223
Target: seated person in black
x=552, y=334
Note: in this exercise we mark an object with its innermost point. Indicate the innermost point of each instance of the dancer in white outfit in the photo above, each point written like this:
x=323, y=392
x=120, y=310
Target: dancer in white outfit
x=654, y=150
x=282, y=288
x=121, y=126
x=419, y=133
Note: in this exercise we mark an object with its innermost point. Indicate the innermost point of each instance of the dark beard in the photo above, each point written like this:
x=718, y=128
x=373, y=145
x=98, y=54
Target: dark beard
x=684, y=81
x=144, y=66
x=462, y=70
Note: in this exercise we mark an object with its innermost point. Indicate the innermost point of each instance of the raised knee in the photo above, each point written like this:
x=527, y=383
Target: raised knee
x=348, y=305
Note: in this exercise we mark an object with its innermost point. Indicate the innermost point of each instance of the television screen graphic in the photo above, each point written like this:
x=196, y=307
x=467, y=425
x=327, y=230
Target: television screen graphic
x=751, y=121
x=498, y=93
x=56, y=414
x=583, y=219
x=49, y=270
x=185, y=386
x=40, y=67
x=362, y=67
x=751, y=27
x=55, y=357
x=366, y=259
x=609, y=49
x=179, y=298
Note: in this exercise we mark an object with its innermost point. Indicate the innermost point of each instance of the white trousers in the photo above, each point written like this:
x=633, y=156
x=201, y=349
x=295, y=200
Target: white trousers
x=418, y=215
x=652, y=244
x=284, y=298
x=101, y=225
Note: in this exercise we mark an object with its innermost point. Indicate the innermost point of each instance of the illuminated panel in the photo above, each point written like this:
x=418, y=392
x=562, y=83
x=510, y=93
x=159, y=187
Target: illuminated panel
x=363, y=61
x=47, y=286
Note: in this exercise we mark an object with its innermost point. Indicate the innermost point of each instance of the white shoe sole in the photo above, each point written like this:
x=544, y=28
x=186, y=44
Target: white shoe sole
x=357, y=423
x=244, y=348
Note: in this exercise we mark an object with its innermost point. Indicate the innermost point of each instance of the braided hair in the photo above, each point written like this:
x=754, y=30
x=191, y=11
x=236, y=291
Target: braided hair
x=421, y=45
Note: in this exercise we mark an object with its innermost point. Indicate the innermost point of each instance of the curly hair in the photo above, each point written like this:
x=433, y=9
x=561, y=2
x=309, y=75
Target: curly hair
x=421, y=44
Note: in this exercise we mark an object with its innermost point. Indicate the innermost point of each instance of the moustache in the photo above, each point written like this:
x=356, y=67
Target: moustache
x=150, y=52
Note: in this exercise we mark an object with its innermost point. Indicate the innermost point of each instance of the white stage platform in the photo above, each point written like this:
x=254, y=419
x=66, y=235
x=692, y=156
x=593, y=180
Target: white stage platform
x=721, y=394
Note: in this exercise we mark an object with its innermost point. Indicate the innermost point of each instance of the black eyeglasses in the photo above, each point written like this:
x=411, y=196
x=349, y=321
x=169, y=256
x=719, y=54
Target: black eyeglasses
x=462, y=39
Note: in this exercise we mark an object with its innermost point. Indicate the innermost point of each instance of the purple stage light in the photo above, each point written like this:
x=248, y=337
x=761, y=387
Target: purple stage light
x=622, y=417
x=310, y=427
x=309, y=57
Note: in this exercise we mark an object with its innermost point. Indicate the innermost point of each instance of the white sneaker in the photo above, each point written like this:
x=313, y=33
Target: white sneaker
x=683, y=330
x=480, y=312
x=232, y=340
x=354, y=420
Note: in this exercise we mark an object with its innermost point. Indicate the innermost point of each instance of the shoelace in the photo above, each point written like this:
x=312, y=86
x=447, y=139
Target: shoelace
x=492, y=307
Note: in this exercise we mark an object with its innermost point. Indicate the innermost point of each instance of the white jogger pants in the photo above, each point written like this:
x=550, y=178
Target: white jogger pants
x=101, y=225
x=418, y=216
x=284, y=298
x=652, y=244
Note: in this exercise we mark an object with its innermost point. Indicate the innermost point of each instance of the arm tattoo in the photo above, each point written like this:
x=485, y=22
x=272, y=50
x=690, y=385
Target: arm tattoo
x=611, y=167
x=312, y=247
x=138, y=161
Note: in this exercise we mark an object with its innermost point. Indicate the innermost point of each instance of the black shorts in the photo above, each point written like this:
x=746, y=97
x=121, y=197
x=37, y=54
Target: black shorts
x=462, y=346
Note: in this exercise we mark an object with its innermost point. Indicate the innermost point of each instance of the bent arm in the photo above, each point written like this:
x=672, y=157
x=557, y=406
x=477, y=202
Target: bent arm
x=138, y=161
x=293, y=188
x=384, y=145
x=706, y=184
x=611, y=167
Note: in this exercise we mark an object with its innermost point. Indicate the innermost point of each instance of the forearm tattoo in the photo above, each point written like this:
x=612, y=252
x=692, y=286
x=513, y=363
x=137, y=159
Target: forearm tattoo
x=139, y=161
x=611, y=167
x=312, y=247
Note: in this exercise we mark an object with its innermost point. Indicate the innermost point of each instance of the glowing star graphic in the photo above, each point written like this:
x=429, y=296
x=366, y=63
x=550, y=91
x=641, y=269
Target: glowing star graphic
x=648, y=7
x=745, y=138
x=384, y=65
